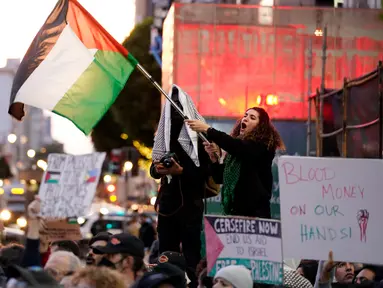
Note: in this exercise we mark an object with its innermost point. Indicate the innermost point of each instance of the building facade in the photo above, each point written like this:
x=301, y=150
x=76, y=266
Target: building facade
x=230, y=58
x=7, y=74
x=33, y=133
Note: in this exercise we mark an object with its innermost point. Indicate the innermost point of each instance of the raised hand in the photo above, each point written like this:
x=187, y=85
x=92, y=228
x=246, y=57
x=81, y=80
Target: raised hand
x=213, y=150
x=197, y=126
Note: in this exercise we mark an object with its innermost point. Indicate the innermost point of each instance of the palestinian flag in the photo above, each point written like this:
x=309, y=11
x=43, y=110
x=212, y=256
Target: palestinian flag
x=73, y=68
x=52, y=177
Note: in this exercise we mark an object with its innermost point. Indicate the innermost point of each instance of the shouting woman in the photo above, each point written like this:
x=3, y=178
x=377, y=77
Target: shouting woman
x=246, y=172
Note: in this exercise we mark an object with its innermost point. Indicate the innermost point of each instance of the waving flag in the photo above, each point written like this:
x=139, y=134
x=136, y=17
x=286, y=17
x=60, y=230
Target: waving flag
x=73, y=68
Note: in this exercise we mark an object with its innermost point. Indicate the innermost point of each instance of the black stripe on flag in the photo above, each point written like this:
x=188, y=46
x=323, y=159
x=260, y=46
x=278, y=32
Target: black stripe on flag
x=41, y=45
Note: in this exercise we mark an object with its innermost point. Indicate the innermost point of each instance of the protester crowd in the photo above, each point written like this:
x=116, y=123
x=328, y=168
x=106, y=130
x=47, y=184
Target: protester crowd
x=170, y=257
x=122, y=260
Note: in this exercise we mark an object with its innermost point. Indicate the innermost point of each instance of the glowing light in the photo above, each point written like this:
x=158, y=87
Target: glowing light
x=23, y=139
x=124, y=136
x=42, y=164
x=144, y=151
x=31, y=153
x=17, y=191
x=222, y=101
x=271, y=100
x=12, y=138
x=134, y=207
x=43, y=150
x=21, y=222
x=33, y=181
x=128, y=166
x=107, y=178
x=5, y=215
x=22, y=181
x=259, y=100
x=318, y=32
x=113, y=198
x=1, y=182
x=104, y=211
x=1, y=191
x=81, y=220
x=111, y=188
x=153, y=200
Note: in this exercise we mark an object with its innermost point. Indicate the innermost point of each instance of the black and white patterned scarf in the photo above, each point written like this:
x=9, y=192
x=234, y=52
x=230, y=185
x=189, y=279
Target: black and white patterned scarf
x=291, y=279
x=187, y=138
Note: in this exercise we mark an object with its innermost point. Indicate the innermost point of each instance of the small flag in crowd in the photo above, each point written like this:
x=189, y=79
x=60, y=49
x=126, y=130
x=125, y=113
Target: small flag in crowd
x=52, y=177
x=91, y=176
x=73, y=68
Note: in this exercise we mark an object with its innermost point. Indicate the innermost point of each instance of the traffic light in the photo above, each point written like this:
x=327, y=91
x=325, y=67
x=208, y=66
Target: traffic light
x=113, y=198
x=111, y=188
x=115, y=162
x=131, y=163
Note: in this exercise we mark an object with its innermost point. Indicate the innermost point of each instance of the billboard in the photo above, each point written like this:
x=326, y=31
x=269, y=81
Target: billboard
x=228, y=61
x=228, y=68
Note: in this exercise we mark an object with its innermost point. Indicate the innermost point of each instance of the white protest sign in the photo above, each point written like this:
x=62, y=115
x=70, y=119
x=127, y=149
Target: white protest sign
x=253, y=243
x=332, y=204
x=69, y=184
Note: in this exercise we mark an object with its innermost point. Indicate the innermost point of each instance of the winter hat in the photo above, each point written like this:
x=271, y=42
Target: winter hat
x=237, y=275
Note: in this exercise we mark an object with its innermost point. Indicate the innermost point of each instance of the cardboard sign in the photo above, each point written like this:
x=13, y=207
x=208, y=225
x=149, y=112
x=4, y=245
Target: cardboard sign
x=253, y=243
x=331, y=204
x=58, y=230
x=69, y=184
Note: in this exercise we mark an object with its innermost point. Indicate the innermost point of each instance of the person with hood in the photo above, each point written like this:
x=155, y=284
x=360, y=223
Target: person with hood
x=183, y=178
x=246, y=172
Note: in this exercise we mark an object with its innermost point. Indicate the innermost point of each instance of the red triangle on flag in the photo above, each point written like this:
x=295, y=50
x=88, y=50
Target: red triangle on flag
x=214, y=246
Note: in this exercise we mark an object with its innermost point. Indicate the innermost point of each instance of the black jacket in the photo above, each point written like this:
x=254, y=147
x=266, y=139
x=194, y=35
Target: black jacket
x=147, y=234
x=186, y=190
x=253, y=190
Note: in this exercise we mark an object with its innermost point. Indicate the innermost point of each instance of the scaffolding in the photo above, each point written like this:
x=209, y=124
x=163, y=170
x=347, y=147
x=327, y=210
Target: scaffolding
x=348, y=121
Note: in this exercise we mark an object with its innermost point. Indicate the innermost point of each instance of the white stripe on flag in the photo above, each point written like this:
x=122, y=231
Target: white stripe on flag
x=64, y=64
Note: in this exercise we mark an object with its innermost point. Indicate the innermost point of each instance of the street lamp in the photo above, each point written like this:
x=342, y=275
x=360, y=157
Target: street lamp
x=42, y=164
x=128, y=166
x=107, y=178
x=12, y=138
x=31, y=153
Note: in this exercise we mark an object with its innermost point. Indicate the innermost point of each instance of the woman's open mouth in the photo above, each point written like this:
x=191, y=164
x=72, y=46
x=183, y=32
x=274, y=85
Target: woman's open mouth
x=243, y=126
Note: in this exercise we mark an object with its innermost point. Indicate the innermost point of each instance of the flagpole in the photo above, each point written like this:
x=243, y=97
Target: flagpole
x=175, y=106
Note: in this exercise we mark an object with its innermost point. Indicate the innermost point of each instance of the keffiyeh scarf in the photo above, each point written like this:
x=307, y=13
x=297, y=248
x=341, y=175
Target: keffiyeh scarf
x=231, y=175
x=188, y=139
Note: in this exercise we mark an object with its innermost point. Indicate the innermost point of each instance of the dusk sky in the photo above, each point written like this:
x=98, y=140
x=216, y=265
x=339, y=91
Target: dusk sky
x=20, y=20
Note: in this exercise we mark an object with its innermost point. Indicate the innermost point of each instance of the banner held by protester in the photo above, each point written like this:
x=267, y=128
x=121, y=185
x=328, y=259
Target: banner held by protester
x=330, y=204
x=253, y=243
x=69, y=184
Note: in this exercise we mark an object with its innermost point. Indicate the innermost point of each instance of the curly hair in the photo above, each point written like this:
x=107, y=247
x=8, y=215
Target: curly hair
x=264, y=132
x=98, y=277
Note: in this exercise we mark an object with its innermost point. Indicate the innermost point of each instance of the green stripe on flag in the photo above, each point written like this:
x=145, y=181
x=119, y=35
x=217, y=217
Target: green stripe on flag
x=96, y=90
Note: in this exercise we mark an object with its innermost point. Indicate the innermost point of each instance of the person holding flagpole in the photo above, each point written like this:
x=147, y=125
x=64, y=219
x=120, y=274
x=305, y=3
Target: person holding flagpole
x=246, y=172
x=183, y=166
